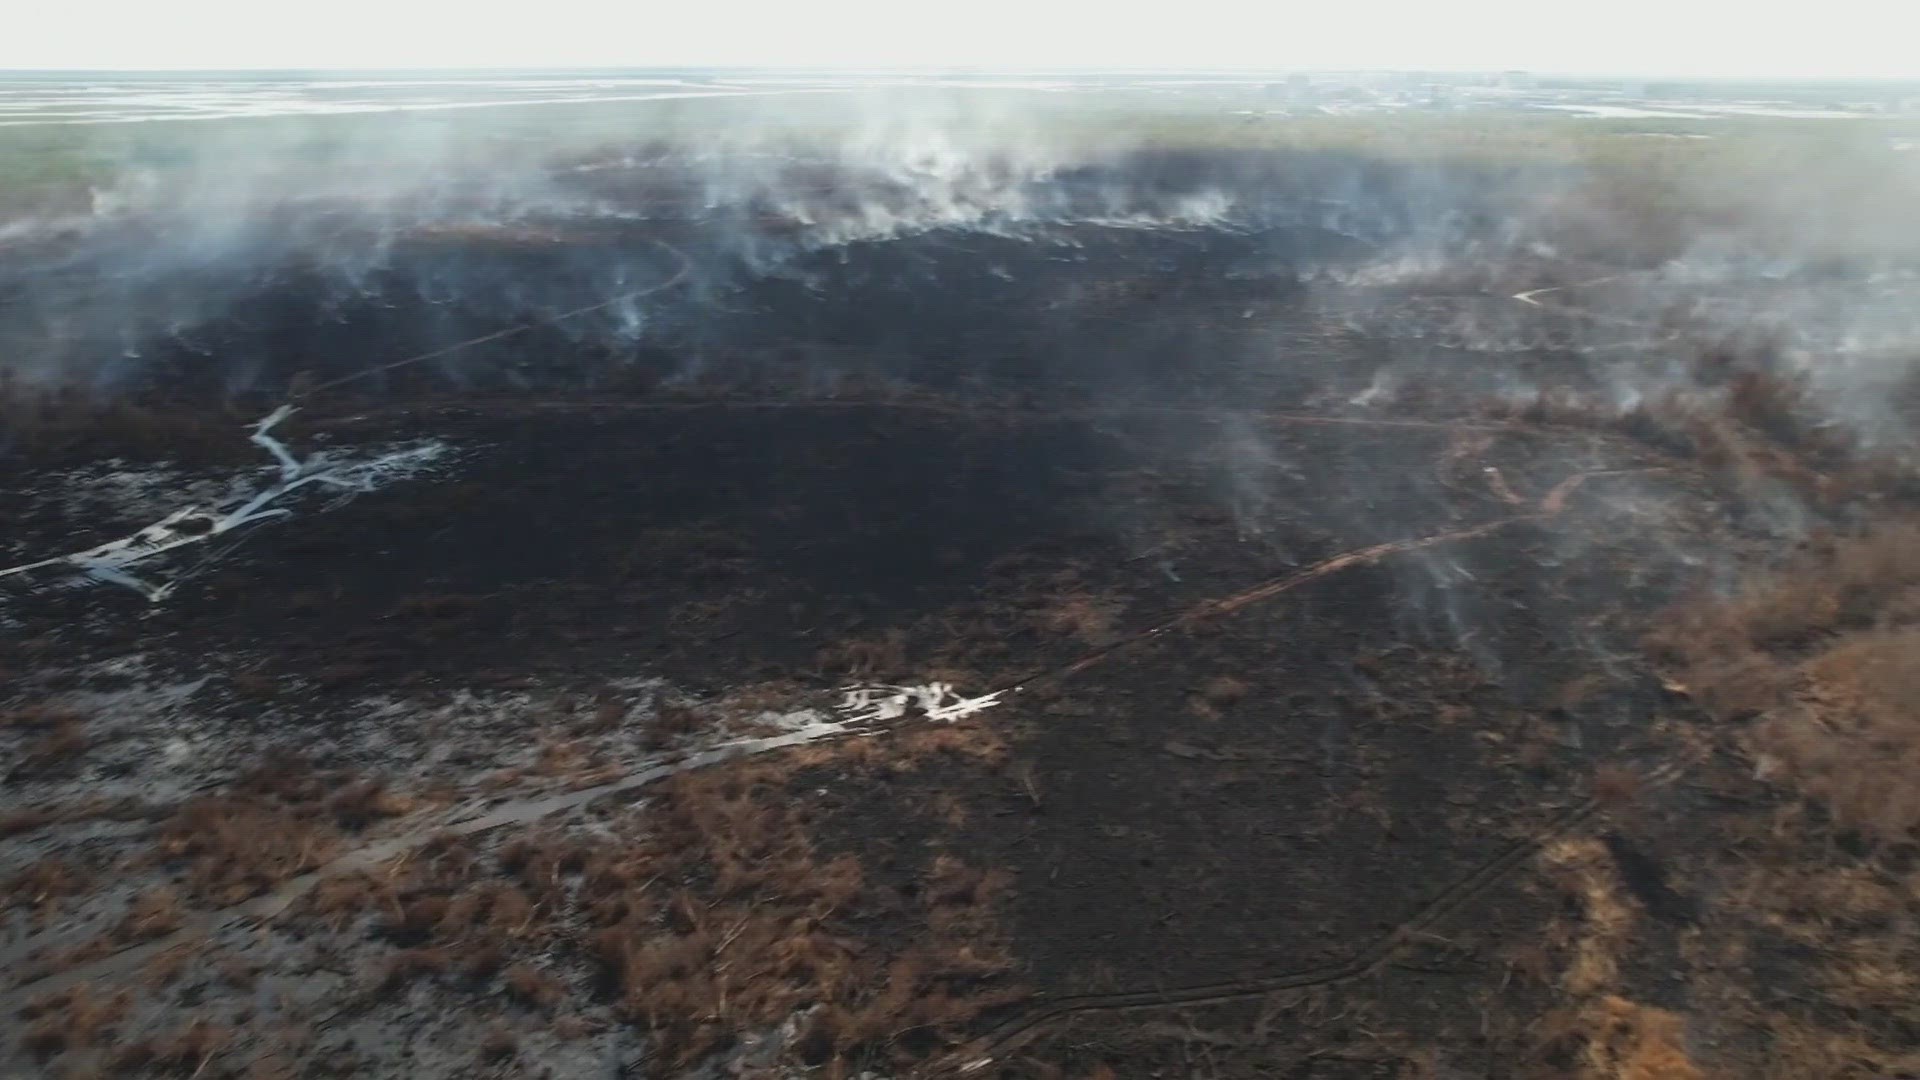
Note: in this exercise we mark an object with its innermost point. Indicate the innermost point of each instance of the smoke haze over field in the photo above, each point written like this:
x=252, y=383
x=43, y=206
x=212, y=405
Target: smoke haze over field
x=724, y=573
x=736, y=572
x=241, y=253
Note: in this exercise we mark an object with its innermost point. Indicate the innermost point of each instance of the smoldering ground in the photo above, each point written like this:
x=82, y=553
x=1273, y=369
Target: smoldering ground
x=237, y=254
x=1248, y=548
x=980, y=246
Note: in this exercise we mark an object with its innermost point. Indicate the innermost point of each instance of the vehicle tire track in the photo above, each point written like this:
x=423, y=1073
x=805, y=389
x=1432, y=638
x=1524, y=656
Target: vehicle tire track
x=1273, y=587
x=1009, y=1034
x=679, y=275
x=268, y=906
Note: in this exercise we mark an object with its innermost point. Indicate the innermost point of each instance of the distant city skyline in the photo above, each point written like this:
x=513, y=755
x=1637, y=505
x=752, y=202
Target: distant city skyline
x=1632, y=38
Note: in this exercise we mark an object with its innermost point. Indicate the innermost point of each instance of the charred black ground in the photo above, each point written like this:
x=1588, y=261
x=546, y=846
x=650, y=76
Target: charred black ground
x=1322, y=702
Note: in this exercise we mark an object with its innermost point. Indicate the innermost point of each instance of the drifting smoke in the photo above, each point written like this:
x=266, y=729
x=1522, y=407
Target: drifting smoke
x=238, y=256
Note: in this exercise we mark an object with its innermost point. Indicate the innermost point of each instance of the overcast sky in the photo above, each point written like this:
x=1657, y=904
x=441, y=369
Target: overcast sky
x=1652, y=37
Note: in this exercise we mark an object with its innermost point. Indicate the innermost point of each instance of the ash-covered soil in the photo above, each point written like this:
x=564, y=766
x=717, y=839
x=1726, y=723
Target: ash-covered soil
x=1140, y=666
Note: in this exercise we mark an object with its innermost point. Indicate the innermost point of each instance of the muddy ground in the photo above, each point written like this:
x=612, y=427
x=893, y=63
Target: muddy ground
x=1281, y=733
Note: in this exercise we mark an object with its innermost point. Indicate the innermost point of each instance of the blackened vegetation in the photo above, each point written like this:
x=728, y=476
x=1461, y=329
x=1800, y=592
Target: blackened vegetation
x=1430, y=814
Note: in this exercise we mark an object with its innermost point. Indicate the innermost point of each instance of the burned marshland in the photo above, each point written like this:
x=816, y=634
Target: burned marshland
x=968, y=581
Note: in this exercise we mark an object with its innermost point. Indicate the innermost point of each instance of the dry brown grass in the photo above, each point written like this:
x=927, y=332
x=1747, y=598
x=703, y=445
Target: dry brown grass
x=1584, y=869
x=54, y=752
x=573, y=1026
x=607, y=712
x=166, y=967
x=874, y=657
x=1814, y=667
x=278, y=821
x=1607, y=1036
x=341, y=899
x=1840, y=995
x=191, y=1051
x=1224, y=690
x=1825, y=654
x=236, y=972
x=772, y=695
x=40, y=716
x=30, y=819
x=21, y=822
x=673, y=722
x=498, y=1044
x=750, y=840
x=911, y=749
x=1628, y=1041
x=1746, y=423
x=291, y=780
x=455, y=910
x=533, y=987
x=153, y=913
x=405, y=965
x=42, y=885
x=1850, y=738
x=1216, y=696
x=1615, y=787
x=1081, y=616
x=711, y=915
x=562, y=757
x=234, y=848
x=1803, y=1052
x=71, y=1020
x=364, y=802
x=753, y=924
